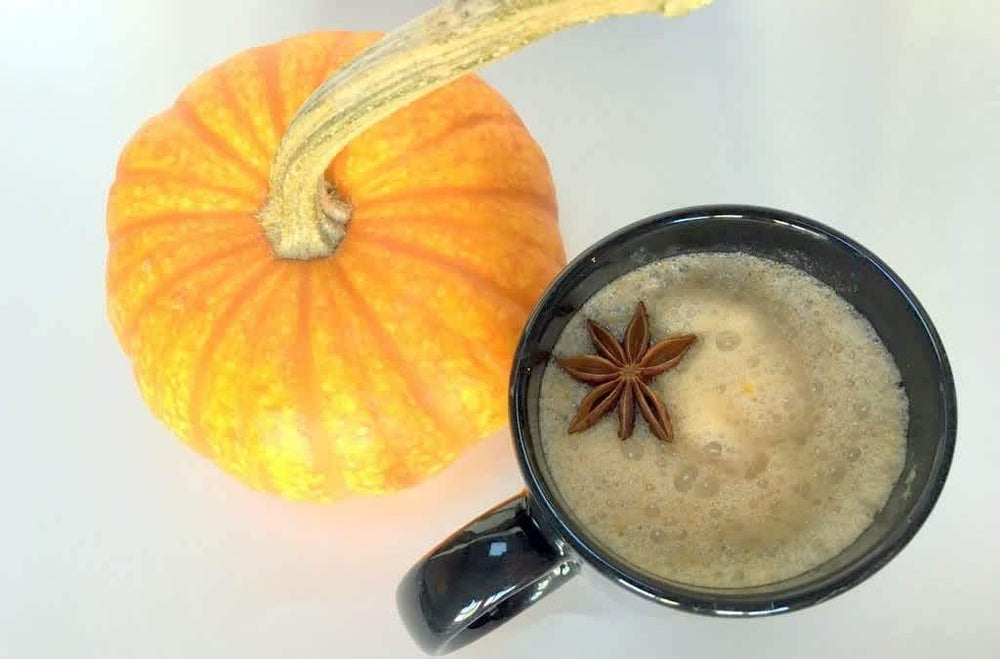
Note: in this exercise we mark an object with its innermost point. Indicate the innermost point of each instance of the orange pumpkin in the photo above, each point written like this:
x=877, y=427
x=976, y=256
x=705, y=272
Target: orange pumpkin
x=361, y=372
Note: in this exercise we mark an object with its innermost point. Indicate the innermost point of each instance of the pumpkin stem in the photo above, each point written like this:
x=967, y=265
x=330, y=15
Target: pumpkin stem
x=304, y=218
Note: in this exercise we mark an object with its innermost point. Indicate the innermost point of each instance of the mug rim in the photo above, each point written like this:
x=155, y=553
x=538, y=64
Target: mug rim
x=704, y=600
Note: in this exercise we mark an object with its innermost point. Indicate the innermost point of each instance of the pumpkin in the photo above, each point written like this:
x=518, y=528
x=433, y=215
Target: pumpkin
x=361, y=372
x=319, y=265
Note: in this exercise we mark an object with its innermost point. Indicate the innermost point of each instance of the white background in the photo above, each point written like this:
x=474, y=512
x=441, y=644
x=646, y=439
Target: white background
x=877, y=117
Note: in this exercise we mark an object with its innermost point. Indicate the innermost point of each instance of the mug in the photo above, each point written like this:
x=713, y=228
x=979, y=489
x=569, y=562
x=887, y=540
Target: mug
x=523, y=549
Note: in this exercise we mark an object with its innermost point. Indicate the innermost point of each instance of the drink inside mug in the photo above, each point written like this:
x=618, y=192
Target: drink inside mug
x=731, y=410
x=788, y=421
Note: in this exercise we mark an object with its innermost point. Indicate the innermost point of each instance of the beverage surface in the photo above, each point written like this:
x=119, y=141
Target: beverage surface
x=789, y=424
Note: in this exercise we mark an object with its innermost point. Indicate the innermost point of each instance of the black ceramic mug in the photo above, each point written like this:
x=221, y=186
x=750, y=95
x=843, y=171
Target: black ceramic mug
x=523, y=549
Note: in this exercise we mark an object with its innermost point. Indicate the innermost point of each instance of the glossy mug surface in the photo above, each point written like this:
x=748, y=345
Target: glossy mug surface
x=526, y=547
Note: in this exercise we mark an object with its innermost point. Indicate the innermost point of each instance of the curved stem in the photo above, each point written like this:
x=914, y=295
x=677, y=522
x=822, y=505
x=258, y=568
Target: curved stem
x=303, y=217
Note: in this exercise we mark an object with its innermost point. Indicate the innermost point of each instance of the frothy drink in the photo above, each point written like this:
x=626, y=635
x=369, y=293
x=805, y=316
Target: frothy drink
x=788, y=416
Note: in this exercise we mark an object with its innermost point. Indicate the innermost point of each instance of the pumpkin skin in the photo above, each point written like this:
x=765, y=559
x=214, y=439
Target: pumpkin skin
x=360, y=373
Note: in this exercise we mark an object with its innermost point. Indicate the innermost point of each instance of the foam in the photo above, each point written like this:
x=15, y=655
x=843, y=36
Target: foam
x=789, y=420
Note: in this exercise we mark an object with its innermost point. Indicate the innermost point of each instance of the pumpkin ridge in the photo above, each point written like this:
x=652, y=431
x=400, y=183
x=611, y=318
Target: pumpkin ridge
x=178, y=277
x=309, y=399
x=154, y=379
x=125, y=270
x=359, y=375
x=262, y=477
x=542, y=201
x=177, y=217
x=267, y=63
x=540, y=253
x=225, y=83
x=372, y=223
x=456, y=129
x=185, y=112
x=481, y=282
x=428, y=405
x=201, y=364
x=143, y=175
x=500, y=366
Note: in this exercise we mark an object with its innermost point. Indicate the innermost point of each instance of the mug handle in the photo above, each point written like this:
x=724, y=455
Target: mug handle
x=487, y=572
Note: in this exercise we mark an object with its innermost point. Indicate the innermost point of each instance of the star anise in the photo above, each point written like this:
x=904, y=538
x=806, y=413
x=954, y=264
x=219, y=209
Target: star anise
x=622, y=372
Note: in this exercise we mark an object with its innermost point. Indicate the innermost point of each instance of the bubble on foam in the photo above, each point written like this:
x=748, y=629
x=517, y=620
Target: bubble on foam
x=632, y=449
x=853, y=454
x=666, y=448
x=728, y=340
x=651, y=510
x=707, y=487
x=685, y=478
x=713, y=449
x=821, y=471
x=836, y=472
